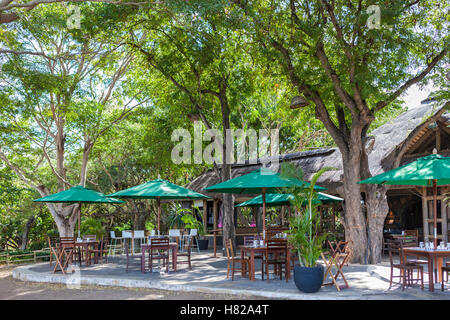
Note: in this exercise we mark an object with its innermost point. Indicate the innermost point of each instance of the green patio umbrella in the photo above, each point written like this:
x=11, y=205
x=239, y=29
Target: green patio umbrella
x=432, y=170
x=280, y=199
x=158, y=189
x=259, y=181
x=78, y=194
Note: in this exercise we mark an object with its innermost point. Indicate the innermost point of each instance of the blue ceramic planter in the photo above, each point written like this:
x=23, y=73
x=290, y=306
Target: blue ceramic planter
x=308, y=280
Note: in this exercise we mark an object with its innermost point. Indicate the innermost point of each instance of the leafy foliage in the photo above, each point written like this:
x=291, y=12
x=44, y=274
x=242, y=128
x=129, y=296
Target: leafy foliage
x=304, y=226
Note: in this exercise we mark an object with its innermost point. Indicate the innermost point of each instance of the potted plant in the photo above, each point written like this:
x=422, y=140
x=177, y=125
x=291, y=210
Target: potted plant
x=303, y=234
x=191, y=222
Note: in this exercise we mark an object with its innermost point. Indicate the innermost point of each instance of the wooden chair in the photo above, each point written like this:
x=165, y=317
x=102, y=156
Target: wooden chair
x=159, y=250
x=276, y=255
x=406, y=268
x=445, y=270
x=186, y=252
x=339, y=255
x=53, y=245
x=232, y=260
x=90, y=236
x=414, y=233
x=130, y=256
x=66, y=252
x=100, y=252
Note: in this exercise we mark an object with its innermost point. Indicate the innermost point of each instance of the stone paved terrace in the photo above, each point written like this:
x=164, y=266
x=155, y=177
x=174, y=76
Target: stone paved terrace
x=209, y=276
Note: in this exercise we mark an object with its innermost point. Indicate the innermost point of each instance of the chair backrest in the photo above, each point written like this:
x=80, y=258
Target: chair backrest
x=174, y=233
x=126, y=234
x=155, y=242
x=193, y=232
x=248, y=240
x=276, y=244
x=67, y=242
x=112, y=234
x=414, y=233
x=53, y=242
x=409, y=241
x=229, y=250
x=90, y=236
x=139, y=233
x=395, y=248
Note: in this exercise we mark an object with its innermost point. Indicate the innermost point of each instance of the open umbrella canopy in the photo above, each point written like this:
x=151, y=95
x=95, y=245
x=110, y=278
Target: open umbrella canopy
x=262, y=181
x=158, y=189
x=421, y=172
x=258, y=181
x=432, y=170
x=78, y=194
x=278, y=199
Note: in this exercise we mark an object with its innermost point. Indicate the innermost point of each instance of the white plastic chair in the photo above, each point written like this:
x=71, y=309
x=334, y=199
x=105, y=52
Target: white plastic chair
x=127, y=235
x=193, y=233
x=113, y=242
x=175, y=233
x=139, y=234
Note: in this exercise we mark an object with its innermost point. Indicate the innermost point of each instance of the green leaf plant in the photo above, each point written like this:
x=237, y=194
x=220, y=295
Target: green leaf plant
x=304, y=225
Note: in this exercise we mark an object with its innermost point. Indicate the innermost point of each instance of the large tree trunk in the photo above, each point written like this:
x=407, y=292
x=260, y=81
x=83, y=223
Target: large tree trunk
x=377, y=210
x=227, y=147
x=26, y=232
x=354, y=218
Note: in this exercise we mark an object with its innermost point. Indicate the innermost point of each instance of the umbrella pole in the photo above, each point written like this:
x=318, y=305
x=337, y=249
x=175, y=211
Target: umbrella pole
x=79, y=219
x=158, y=200
x=264, y=212
x=435, y=211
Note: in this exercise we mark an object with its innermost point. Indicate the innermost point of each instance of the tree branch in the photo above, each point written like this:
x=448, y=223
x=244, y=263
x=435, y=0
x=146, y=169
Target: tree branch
x=381, y=104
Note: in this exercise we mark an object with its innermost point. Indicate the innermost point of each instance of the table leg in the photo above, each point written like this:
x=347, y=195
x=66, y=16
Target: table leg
x=252, y=265
x=439, y=262
x=174, y=259
x=430, y=273
x=143, y=261
x=288, y=266
x=96, y=254
x=215, y=244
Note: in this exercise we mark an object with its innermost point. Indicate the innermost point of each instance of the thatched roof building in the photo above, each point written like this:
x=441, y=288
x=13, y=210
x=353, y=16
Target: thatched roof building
x=412, y=134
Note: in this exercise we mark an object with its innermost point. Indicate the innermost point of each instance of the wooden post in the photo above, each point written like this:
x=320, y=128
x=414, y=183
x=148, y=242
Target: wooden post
x=426, y=236
x=444, y=218
x=216, y=212
x=283, y=211
x=158, y=200
x=264, y=212
x=205, y=216
x=435, y=212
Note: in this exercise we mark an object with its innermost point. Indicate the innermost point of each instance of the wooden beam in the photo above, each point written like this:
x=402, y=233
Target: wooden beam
x=438, y=139
x=425, y=215
x=216, y=212
x=205, y=215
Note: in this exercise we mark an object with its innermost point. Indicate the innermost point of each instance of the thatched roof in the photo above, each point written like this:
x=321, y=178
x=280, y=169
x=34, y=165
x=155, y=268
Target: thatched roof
x=384, y=141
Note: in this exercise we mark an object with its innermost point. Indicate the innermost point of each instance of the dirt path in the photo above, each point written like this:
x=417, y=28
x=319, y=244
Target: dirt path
x=12, y=289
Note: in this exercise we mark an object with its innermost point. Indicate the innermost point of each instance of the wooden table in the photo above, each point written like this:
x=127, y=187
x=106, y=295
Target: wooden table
x=173, y=246
x=85, y=245
x=262, y=250
x=430, y=255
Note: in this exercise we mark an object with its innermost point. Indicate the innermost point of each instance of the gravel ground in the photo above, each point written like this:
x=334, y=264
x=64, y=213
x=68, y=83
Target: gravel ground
x=12, y=289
